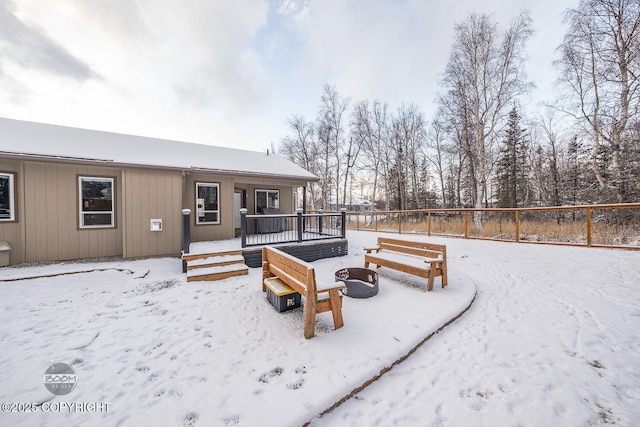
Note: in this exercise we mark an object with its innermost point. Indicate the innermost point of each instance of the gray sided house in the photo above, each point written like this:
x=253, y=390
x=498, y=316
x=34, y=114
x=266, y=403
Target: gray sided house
x=68, y=193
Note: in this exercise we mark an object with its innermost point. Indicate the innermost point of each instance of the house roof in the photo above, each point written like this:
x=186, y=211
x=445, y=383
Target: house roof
x=38, y=140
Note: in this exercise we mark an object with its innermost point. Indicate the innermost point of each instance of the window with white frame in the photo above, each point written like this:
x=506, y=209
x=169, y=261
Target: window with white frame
x=207, y=203
x=7, y=197
x=96, y=202
x=267, y=199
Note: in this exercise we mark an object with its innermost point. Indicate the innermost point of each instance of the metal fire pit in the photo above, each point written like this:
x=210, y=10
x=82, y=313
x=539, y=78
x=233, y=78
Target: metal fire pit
x=359, y=282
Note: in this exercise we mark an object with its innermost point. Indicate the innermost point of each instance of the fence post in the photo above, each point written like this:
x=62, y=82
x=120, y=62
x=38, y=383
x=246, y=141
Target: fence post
x=320, y=221
x=429, y=223
x=186, y=235
x=243, y=227
x=343, y=228
x=517, y=226
x=399, y=222
x=588, y=227
x=466, y=220
x=300, y=224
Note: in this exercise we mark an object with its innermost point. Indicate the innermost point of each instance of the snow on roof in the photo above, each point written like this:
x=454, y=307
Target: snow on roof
x=67, y=143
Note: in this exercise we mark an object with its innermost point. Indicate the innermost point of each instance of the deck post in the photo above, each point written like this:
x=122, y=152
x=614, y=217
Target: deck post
x=343, y=227
x=243, y=227
x=320, y=221
x=186, y=235
x=300, y=224
x=304, y=207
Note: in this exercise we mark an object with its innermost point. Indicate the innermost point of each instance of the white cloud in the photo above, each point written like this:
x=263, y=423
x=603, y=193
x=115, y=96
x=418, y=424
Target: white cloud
x=231, y=72
x=370, y=49
x=30, y=47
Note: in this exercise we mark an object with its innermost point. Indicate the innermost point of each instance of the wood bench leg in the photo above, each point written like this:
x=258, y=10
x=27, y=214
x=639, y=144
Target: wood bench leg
x=336, y=309
x=432, y=276
x=444, y=274
x=309, y=317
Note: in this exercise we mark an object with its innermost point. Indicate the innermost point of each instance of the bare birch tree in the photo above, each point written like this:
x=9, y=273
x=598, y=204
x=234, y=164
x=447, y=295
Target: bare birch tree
x=372, y=126
x=485, y=73
x=439, y=154
x=331, y=127
x=600, y=67
x=302, y=149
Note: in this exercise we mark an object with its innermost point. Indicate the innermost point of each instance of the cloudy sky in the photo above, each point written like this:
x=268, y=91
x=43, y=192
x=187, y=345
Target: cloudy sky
x=231, y=72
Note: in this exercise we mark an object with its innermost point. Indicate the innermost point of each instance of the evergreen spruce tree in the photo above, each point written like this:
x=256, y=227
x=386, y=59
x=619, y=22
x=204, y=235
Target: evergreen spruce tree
x=574, y=179
x=513, y=165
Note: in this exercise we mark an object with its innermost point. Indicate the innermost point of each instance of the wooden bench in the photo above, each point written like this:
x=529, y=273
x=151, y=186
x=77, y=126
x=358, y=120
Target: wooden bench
x=418, y=258
x=282, y=269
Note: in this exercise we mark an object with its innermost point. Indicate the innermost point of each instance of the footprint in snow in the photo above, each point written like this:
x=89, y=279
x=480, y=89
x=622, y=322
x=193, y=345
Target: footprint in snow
x=264, y=378
x=296, y=385
x=191, y=418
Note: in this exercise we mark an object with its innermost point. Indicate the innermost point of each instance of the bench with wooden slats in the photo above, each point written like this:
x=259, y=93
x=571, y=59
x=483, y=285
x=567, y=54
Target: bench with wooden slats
x=420, y=259
x=281, y=270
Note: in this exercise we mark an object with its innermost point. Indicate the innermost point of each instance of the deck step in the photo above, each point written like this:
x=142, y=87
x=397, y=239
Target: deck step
x=215, y=260
x=215, y=266
x=218, y=272
x=194, y=256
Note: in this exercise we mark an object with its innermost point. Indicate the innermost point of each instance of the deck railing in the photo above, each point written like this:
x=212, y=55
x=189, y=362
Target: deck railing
x=258, y=230
x=607, y=226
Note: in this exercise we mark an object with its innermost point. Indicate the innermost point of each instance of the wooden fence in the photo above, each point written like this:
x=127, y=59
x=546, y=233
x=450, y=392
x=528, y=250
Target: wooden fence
x=607, y=226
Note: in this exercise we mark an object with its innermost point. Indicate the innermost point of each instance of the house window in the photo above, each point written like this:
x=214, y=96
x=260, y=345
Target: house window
x=267, y=199
x=96, y=202
x=7, y=198
x=207, y=205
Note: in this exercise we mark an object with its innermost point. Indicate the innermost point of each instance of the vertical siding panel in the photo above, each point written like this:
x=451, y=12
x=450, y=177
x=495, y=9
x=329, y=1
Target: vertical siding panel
x=73, y=201
x=131, y=209
x=177, y=215
x=29, y=211
x=161, y=189
x=140, y=204
x=41, y=213
x=174, y=234
x=124, y=196
x=62, y=239
x=156, y=192
x=152, y=192
x=135, y=207
x=130, y=193
x=169, y=213
x=51, y=214
x=119, y=231
x=145, y=212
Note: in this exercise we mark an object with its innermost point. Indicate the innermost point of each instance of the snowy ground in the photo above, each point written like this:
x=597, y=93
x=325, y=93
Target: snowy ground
x=552, y=338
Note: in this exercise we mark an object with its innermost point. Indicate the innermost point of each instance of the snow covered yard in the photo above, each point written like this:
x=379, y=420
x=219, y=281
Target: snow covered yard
x=551, y=339
x=167, y=352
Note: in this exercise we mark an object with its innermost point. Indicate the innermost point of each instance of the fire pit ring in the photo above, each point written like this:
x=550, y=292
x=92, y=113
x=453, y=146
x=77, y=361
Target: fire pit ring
x=359, y=282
